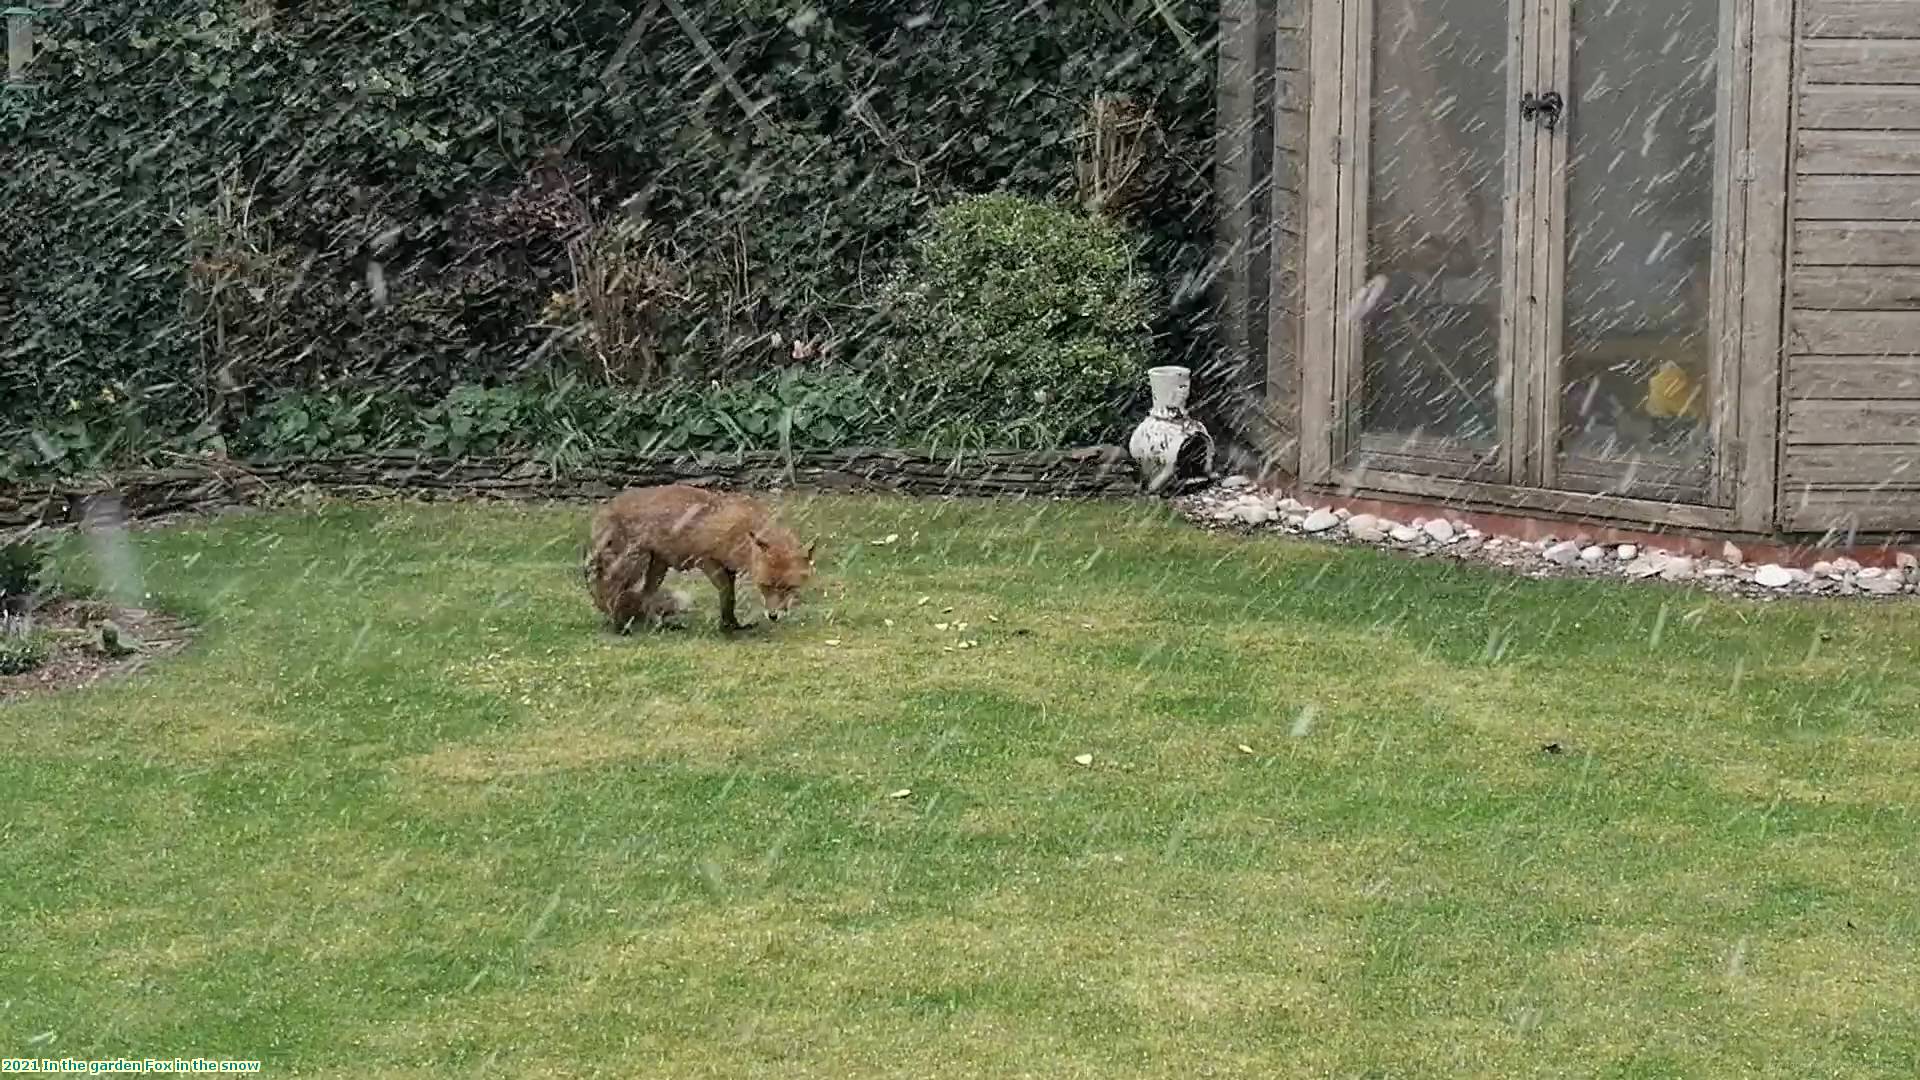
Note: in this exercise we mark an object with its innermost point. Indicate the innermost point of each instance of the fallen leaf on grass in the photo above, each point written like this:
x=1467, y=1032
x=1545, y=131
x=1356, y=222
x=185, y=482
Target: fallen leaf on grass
x=922, y=602
x=833, y=641
x=1083, y=759
x=890, y=538
x=901, y=794
x=1245, y=749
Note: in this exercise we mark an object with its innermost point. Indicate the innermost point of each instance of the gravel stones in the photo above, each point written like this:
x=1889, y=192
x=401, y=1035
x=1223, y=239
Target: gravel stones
x=1250, y=512
x=1246, y=507
x=1366, y=528
x=1320, y=521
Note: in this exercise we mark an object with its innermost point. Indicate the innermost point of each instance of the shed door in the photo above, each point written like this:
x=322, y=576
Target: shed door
x=1427, y=336
x=1520, y=208
x=1637, y=347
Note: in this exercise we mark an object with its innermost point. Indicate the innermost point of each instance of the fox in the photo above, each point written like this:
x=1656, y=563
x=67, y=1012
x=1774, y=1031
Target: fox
x=641, y=533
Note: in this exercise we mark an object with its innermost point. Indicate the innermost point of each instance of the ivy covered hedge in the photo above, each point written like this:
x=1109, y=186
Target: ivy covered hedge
x=218, y=210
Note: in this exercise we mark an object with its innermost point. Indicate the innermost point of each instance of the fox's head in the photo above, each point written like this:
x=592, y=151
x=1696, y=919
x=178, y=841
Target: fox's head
x=781, y=568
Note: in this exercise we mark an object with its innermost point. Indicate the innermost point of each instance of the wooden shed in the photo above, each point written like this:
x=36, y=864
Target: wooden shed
x=1654, y=262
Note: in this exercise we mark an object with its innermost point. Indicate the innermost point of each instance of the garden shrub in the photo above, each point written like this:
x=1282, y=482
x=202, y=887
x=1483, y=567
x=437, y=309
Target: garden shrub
x=22, y=647
x=23, y=572
x=1022, y=318
x=625, y=294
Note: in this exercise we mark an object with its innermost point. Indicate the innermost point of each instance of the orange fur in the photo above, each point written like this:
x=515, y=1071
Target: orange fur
x=641, y=534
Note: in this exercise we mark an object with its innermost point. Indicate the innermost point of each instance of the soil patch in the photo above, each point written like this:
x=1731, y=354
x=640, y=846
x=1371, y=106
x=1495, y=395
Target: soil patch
x=90, y=640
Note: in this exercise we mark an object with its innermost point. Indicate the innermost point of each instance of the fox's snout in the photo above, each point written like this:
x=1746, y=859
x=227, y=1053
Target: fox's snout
x=778, y=603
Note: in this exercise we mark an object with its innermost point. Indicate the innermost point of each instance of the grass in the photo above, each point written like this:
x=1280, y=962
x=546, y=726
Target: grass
x=404, y=811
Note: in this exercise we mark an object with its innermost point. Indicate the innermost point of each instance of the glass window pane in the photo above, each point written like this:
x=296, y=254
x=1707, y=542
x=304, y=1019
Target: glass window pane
x=1637, y=376
x=1431, y=352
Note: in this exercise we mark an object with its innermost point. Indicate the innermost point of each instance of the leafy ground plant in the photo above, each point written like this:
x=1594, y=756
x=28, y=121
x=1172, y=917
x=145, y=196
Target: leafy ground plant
x=23, y=647
x=1024, y=790
x=793, y=408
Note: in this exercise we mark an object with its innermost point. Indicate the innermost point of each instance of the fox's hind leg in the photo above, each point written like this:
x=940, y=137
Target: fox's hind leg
x=656, y=572
x=612, y=570
x=644, y=600
x=605, y=568
x=631, y=601
x=601, y=584
x=619, y=601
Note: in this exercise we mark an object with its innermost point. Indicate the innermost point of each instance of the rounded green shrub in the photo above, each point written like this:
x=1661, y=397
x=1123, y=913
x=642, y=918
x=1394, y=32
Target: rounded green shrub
x=1027, y=321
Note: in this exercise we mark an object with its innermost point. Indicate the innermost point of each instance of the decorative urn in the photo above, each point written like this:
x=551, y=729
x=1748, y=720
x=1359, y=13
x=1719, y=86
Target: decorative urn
x=1170, y=445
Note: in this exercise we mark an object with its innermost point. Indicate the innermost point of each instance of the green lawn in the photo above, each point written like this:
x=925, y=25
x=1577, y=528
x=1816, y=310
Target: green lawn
x=404, y=811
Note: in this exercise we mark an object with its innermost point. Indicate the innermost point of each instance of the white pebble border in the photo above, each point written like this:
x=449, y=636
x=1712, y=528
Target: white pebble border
x=1236, y=503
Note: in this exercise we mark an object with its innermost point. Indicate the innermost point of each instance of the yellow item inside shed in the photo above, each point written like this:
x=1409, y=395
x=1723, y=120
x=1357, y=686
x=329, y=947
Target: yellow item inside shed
x=1671, y=392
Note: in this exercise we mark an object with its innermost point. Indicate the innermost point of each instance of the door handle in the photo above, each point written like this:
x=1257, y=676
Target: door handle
x=1548, y=105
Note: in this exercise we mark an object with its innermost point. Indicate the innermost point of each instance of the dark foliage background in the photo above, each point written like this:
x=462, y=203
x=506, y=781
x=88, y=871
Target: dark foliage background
x=217, y=212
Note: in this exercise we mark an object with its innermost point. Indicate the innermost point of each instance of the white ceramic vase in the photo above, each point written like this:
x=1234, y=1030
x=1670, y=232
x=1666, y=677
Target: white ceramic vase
x=1168, y=438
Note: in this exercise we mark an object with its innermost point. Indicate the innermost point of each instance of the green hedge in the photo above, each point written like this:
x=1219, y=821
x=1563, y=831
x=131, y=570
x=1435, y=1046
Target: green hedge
x=195, y=191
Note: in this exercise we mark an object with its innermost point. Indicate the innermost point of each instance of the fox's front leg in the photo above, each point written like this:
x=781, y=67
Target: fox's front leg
x=722, y=579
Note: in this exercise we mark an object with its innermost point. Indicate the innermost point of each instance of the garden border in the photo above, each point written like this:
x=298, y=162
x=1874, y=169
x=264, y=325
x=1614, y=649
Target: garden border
x=198, y=486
